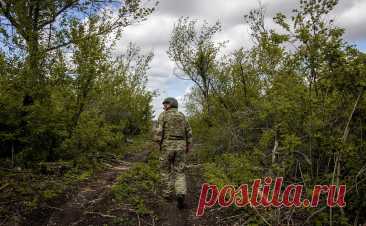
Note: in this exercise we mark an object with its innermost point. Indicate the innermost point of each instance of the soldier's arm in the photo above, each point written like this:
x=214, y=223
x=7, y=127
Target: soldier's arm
x=189, y=136
x=158, y=133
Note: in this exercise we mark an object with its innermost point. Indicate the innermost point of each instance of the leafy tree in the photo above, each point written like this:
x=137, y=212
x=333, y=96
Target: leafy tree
x=39, y=27
x=54, y=82
x=195, y=53
x=291, y=105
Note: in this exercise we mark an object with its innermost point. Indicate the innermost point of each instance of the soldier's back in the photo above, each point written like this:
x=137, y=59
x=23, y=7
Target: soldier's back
x=174, y=125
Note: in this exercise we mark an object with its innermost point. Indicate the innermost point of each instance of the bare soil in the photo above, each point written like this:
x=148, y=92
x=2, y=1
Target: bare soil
x=92, y=203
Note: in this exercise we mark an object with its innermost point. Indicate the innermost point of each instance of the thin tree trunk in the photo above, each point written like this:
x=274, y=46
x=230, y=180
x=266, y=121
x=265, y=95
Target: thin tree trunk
x=337, y=165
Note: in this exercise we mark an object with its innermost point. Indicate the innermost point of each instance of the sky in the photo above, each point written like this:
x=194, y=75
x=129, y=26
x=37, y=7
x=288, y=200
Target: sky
x=154, y=33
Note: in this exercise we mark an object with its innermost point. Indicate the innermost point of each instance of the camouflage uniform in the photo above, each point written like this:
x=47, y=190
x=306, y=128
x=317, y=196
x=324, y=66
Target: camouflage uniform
x=174, y=134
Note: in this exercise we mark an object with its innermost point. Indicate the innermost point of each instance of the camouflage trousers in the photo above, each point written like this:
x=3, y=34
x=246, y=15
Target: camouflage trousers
x=172, y=166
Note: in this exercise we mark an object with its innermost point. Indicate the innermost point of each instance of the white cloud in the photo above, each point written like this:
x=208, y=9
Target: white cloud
x=183, y=98
x=353, y=20
x=154, y=33
x=237, y=35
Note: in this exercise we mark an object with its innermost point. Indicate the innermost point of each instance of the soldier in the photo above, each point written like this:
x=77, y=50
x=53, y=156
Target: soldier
x=174, y=135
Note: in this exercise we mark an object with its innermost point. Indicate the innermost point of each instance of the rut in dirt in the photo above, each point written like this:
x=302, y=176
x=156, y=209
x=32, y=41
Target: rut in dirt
x=93, y=203
x=82, y=207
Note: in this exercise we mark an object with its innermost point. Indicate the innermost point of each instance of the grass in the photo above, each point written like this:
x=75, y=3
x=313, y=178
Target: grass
x=139, y=185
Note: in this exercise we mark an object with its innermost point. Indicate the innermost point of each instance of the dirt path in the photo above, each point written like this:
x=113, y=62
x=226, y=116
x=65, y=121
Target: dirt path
x=93, y=204
x=81, y=209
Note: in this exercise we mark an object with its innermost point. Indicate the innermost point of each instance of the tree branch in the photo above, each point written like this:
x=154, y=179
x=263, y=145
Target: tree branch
x=63, y=9
x=5, y=9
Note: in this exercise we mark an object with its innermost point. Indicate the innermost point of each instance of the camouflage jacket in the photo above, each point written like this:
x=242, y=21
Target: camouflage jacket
x=172, y=125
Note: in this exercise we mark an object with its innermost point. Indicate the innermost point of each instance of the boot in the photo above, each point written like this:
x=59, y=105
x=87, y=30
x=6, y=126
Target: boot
x=180, y=201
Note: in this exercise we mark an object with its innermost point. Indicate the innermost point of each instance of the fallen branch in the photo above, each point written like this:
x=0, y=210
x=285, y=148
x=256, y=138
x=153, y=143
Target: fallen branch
x=54, y=208
x=126, y=209
x=94, y=201
x=15, y=170
x=194, y=165
x=100, y=214
x=4, y=186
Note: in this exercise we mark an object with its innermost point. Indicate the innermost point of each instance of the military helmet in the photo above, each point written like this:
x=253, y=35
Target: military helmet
x=172, y=101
